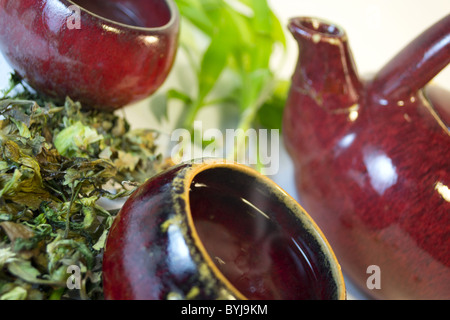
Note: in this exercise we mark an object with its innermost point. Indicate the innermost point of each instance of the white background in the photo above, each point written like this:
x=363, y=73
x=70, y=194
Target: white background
x=377, y=30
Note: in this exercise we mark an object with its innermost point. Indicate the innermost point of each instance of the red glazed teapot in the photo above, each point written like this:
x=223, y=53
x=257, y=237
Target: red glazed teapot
x=372, y=158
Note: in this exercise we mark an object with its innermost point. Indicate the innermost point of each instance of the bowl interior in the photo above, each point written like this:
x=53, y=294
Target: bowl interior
x=137, y=13
x=255, y=239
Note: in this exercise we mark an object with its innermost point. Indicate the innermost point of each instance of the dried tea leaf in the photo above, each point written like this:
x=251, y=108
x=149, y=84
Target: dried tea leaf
x=15, y=230
x=23, y=186
x=18, y=293
x=76, y=140
x=6, y=256
x=57, y=162
x=24, y=270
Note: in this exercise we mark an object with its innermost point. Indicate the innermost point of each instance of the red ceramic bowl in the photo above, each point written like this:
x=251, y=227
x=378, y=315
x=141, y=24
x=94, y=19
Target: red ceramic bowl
x=214, y=230
x=105, y=54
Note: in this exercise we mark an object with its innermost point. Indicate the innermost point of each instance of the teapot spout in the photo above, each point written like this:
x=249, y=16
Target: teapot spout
x=325, y=89
x=416, y=65
x=325, y=70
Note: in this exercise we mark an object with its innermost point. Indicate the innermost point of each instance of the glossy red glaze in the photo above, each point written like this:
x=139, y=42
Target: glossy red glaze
x=196, y=231
x=102, y=63
x=372, y=158
x=242, y=228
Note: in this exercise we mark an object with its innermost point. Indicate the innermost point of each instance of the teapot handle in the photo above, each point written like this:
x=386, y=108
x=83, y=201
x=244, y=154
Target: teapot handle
x=416, y=65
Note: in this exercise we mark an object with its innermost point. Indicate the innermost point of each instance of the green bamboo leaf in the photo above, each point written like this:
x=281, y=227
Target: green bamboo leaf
x=213, y=63
x=270, y=115
x=239, y=25
x=176, y=94
x=203, y=14
x=255, y=83
x=277, y=32
x=262, y=22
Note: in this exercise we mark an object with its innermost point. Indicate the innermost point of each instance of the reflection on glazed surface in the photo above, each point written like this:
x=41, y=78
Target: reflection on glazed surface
x=102, y=63
x=377, y=208
x=197, y=231
x=372, y=160
x=157, y=13
x=249, y=248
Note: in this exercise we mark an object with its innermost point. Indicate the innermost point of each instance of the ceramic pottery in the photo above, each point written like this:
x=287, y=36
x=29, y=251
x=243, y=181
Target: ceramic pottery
x=214, y=230
x=103, y=53
x=372, y=158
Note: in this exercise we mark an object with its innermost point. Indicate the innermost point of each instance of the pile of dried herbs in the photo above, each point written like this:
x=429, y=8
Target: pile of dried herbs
x=56, y=163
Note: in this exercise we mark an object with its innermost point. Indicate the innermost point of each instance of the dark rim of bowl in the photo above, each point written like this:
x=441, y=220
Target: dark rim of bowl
x=170, y=4
x=196, y=167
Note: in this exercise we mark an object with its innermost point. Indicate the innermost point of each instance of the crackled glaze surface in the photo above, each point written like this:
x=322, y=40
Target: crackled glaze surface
x=99, y=62
x=372, y=159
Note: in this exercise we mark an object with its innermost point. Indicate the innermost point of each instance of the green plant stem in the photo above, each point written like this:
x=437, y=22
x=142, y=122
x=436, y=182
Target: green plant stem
x=192, y=115
x=74, y=195
x=248, y=117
